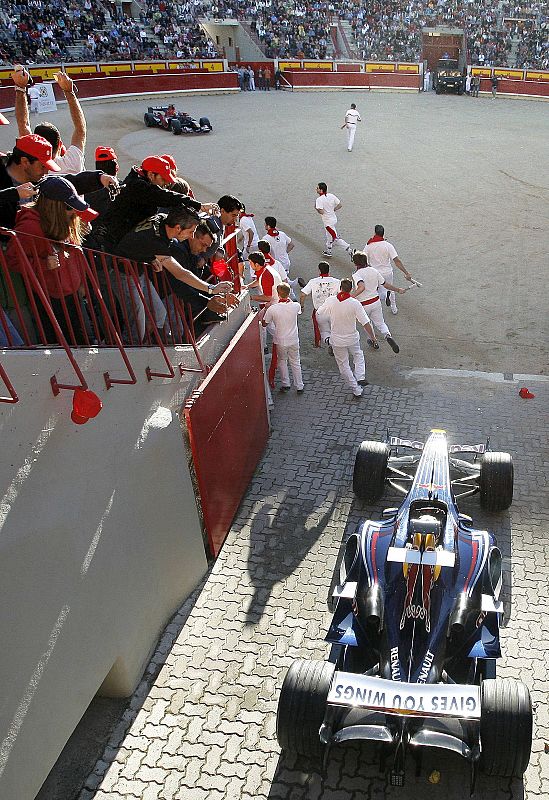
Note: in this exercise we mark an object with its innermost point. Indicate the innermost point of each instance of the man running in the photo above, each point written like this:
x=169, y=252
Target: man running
x=381, y=256
x=326, y=205
x=368, y=282
x=351, y=118
x=320, y=289
x=343, y=312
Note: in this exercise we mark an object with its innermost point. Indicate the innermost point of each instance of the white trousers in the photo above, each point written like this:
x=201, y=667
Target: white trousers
x=289, y=353
x=342, y=360
x=375, y=312
x=332, y=237
x=351, y=130
x=324, y=327
x=387, y=276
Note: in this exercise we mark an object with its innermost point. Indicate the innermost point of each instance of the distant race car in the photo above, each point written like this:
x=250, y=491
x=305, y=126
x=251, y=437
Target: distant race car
x=175, y=121
x=415, y=631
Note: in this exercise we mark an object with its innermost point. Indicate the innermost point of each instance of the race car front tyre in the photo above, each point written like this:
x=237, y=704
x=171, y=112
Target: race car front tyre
x=496, y=481
x=301, y=707
x=505, y=728
x=370, y=471
x=176, y=127
x=204, y=122
x=149, y=120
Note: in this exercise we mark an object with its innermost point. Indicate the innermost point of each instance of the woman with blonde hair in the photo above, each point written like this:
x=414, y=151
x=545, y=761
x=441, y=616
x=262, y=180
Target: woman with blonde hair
x=51, y=231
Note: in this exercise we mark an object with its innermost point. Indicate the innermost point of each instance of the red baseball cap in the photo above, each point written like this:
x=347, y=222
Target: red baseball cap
x=4, y=120
x=105, y=154
x=37, y=147
x=171, y=161
x=57, y=188
x=159, y=165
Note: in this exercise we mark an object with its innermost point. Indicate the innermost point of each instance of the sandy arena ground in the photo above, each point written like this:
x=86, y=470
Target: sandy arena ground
x=460, y=185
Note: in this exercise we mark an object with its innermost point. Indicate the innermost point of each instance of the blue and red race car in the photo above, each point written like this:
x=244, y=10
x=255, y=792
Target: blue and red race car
x=178, y=122
x=416, y=601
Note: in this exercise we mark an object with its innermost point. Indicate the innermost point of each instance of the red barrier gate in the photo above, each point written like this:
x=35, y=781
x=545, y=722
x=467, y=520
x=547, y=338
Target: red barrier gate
x=228, y=430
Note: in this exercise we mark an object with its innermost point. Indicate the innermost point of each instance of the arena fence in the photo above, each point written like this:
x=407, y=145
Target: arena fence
x=100, y=301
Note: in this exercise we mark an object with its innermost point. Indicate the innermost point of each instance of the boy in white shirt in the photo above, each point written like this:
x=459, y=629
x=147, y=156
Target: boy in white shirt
x=368, y=283
x=281, y=244
x=283, y=316
x=320, y=289
x=249, y=233
x=326, y=205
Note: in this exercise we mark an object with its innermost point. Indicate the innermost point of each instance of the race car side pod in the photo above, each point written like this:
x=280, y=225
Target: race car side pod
x=370, y=608
x=458, y=618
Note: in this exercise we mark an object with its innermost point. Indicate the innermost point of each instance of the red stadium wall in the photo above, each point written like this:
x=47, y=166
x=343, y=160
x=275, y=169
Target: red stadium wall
x=177, y=81
x=228, y=430
x=356, y=80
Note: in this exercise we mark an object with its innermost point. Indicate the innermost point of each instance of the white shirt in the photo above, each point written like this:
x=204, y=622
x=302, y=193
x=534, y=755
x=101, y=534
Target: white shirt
x=284, y=316
x=372, y=280
x=380, y=255
x=280, y=269
x=71, y=163
x=343, y=316
x=279, y=247
x=321, y=288
x=247, y=224
x=352, y=117
x=327, y=204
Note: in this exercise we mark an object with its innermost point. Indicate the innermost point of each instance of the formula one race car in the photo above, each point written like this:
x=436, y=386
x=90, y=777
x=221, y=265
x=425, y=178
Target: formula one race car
x=175, y=121
x=415, y=629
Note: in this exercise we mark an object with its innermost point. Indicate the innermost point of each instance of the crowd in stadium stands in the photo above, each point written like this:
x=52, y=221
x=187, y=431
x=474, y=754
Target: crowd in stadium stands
x=511, y=34
x=33, y=31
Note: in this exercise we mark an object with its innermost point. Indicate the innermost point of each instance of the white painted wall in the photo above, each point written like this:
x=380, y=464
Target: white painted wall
x=100, y=542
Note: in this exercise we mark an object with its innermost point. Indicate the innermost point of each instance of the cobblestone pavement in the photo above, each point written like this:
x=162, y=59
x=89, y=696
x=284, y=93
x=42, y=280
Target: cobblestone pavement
x=204, y=728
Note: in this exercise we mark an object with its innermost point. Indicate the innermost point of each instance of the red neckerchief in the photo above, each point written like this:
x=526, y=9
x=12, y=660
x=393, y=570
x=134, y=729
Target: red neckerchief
x=341, y=296
x=375, y=238
x=272, y=232
x=242, y=214
x=324, y=275
x=269, y=259
x=287, y=300
x=260, y=273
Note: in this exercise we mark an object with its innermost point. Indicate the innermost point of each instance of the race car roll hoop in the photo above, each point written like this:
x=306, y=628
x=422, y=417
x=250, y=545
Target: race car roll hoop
x=416, y=602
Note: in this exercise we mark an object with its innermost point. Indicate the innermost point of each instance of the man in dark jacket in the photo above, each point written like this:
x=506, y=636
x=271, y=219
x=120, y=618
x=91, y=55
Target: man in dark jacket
x=144, y=191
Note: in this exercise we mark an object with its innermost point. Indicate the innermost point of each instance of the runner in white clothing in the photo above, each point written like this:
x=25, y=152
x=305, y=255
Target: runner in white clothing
x=283, y=316
x=351, y=118
x=249, y=233
x=344, y=312
x=281, y=244
x=381, y=256
x=368, y=282
x=326, y=205
x=320, y=289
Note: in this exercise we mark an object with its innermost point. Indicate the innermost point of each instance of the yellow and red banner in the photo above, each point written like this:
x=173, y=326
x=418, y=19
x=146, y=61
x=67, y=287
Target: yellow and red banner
x=537, y=76
x=410, y=68
x=213, y=66
x=511, y=74
x=379, y=67
x=322, y=65
x=283, y=65
x=482, y=72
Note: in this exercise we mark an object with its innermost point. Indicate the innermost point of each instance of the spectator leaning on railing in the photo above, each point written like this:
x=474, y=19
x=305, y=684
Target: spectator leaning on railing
x=58, y=215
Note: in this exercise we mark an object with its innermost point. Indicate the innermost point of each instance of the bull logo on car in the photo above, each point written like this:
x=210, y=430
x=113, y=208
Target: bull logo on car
x=422, y=543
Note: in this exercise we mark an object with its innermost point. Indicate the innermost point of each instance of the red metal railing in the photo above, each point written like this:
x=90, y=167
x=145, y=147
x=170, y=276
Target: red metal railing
x=61, y=295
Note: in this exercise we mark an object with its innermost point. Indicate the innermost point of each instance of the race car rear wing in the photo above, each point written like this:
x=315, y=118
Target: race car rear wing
x=396, y=441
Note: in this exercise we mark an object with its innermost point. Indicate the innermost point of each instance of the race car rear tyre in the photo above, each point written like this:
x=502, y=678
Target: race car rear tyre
x=149, y=120
x=370, y=471
x=204, y=122
x=496, y=481
x=301, y=707
x=176, y=127
x=505, y=728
